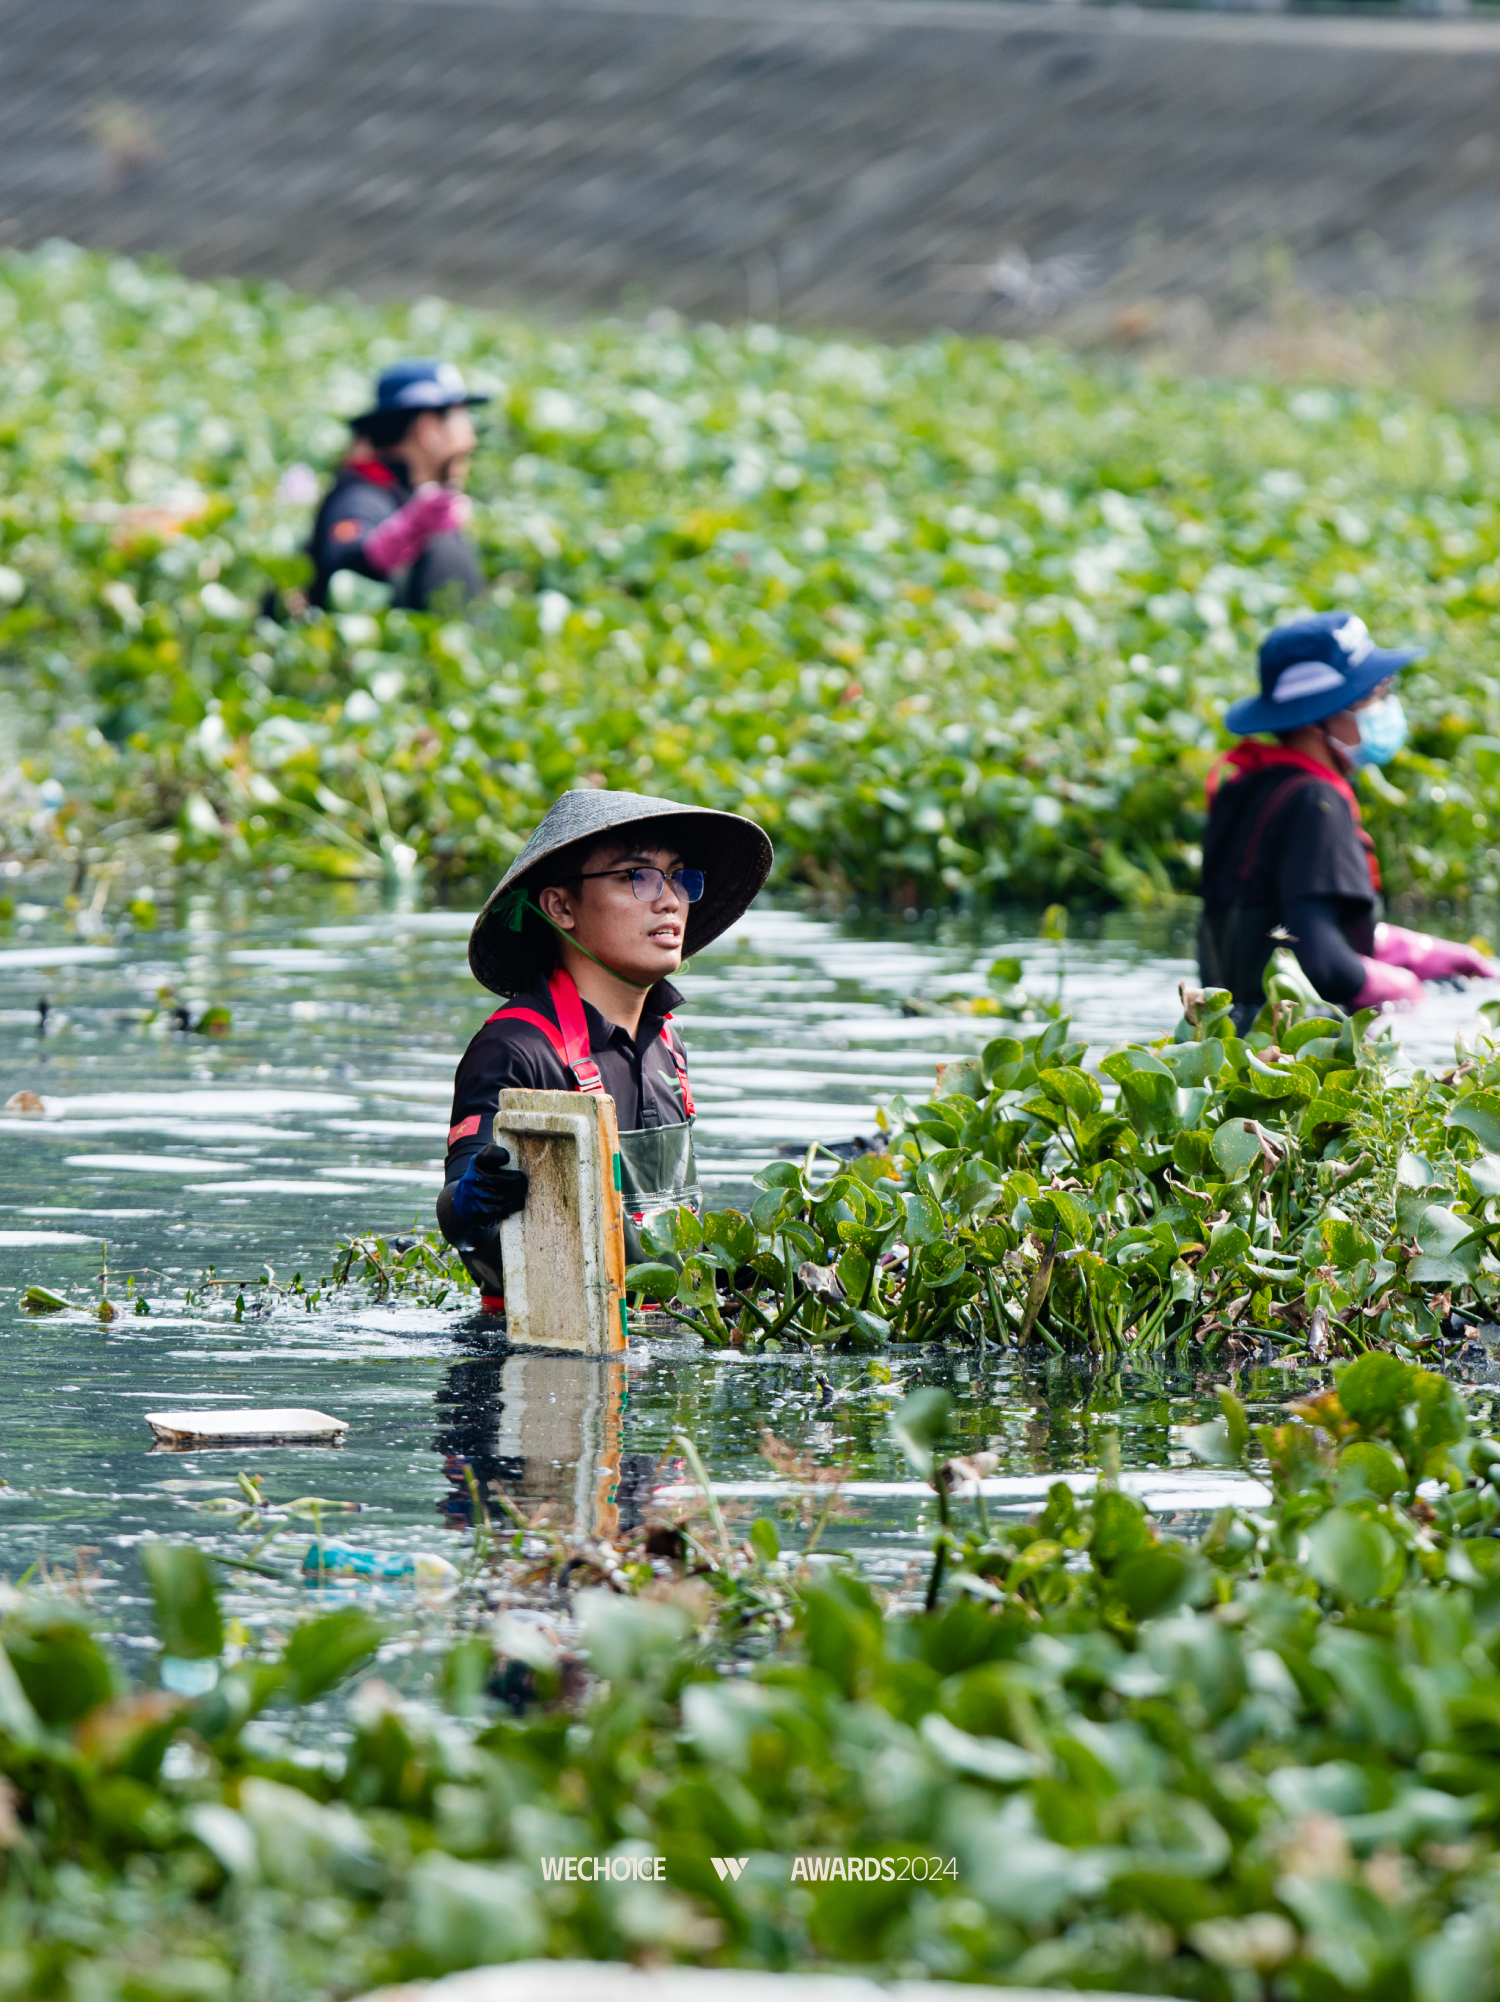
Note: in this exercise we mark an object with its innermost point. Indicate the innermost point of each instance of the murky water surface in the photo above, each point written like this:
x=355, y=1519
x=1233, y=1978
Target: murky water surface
x=324, y=1113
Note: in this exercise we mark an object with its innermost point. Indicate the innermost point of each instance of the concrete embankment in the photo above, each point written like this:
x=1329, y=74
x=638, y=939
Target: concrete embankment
x=886, y=164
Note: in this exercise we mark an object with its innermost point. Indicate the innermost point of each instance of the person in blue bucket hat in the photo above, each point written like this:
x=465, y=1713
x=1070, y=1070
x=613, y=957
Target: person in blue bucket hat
x=396, y=511
x=1286, y=859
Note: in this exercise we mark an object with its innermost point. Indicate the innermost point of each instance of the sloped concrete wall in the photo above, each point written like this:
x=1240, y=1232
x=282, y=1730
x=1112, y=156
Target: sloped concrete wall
x=884, y=164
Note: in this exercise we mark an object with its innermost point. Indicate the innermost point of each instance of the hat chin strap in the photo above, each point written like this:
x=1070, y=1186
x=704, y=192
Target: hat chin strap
x=520, y=901
x=1343, y=754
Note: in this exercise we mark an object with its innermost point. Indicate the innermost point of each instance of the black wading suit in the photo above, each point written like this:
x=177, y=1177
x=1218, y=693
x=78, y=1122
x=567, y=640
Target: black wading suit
x=1284, y=849
x=365, y=492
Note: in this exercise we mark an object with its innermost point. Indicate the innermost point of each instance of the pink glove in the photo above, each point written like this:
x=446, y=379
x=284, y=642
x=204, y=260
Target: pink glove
x=1387, y=986
x=1429, y=958
x=432, y=510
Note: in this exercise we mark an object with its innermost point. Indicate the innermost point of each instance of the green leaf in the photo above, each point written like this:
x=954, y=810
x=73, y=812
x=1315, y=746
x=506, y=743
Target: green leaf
x=187, y=1602
x=854, y=1269
x=963, y=1078
x=769, y=1210
x=18, y=1720
x=1313, y=1028
x=1350, y=1556
x=1479, y=1113
x=924, y=1220
x=1236, y=1422
x=733, y=1234
x=870, y=1169
x=780, y=1175
x=1347, y=1243
x=1328, y=1111
x=1194, y=1063
x=1073, y=1088
x=1278, y=1080
x=673, y=1232
x=1227, y=1246
x=1120, y=1528
x=1236, y=1147
x=627, y=1638
x=1284, y=980
x=870, y=1330
x=326, y=1650
x=1149, y=1099
x=657, y=1282
x=1002, y=1060
x=1450, y=1251
x=764, y=1539
x=472, y=1914
x=1152, y=1580
x=1210, y=1442
x=1132, y=1061
x=918, y=1423
x=941, y=1264
x=696, y=1284
x=1367, y=1467
x=1374, y=1390
x=1058, y=1206
x=60, y=1666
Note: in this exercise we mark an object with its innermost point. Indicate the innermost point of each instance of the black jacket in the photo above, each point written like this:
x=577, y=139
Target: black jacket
x=366, y=492
x=1284, y=853
x=638, y=1073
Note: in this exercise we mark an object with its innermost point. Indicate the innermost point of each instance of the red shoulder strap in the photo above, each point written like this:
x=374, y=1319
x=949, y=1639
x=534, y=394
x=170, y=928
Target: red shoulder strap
x=1279, y=798
x=568, y=1035
x=679, y=1064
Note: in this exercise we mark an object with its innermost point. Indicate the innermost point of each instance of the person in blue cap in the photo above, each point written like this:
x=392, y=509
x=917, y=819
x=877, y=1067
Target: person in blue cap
x=396, y=510
x=1285, y=857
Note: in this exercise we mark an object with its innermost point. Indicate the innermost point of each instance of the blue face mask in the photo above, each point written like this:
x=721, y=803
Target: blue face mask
x=1382, y=731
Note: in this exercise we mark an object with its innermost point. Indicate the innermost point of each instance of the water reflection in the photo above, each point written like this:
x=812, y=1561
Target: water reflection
x=324, y=1113
x=545, y=1430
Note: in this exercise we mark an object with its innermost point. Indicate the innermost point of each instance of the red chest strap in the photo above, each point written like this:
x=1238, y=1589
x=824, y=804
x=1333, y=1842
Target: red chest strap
x=679, y=1064
x=569, y=1036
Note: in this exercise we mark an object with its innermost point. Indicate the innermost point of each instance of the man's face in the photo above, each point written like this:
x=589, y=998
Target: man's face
x=637, y=936
x=438, y=445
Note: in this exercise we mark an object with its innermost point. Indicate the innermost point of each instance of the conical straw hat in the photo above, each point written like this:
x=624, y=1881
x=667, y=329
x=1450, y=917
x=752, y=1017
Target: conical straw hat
x=510, y=947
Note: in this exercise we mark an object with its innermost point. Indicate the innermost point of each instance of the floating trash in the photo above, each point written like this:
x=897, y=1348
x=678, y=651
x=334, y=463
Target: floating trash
x=289, y=1427
x=336, y=1560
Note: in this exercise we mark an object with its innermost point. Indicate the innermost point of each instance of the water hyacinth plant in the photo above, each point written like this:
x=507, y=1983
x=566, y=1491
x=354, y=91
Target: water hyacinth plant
x=1291, y=1187
x=956, y=619
x=1255, y=1759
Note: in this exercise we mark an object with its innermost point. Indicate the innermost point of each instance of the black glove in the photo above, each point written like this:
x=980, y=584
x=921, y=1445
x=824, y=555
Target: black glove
x=489, y=1189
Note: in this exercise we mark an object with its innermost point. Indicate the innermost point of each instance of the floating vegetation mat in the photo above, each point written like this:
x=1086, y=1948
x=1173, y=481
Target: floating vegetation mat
x=1079, y=1750
x=953, y=619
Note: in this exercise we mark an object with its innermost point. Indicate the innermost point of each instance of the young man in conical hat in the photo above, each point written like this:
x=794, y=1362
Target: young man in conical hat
x=599, y=909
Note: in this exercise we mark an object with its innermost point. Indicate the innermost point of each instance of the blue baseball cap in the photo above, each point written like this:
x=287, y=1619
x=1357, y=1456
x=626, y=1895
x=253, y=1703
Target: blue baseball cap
x=1312, y=668
x=419, y=383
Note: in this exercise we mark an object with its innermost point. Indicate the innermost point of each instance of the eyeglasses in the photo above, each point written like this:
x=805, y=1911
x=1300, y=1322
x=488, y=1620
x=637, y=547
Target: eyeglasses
x=648, y=884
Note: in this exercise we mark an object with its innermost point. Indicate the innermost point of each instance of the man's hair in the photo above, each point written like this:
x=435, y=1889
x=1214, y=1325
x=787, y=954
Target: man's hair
x=580, y=857
x=562, y=870
x=384, y=430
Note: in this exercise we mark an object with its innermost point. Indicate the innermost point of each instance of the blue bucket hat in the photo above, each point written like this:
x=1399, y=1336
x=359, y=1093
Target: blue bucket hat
x=419, y=383
x=1312, y=668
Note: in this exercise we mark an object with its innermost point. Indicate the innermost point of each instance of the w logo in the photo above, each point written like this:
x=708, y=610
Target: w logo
x=730, y=1867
